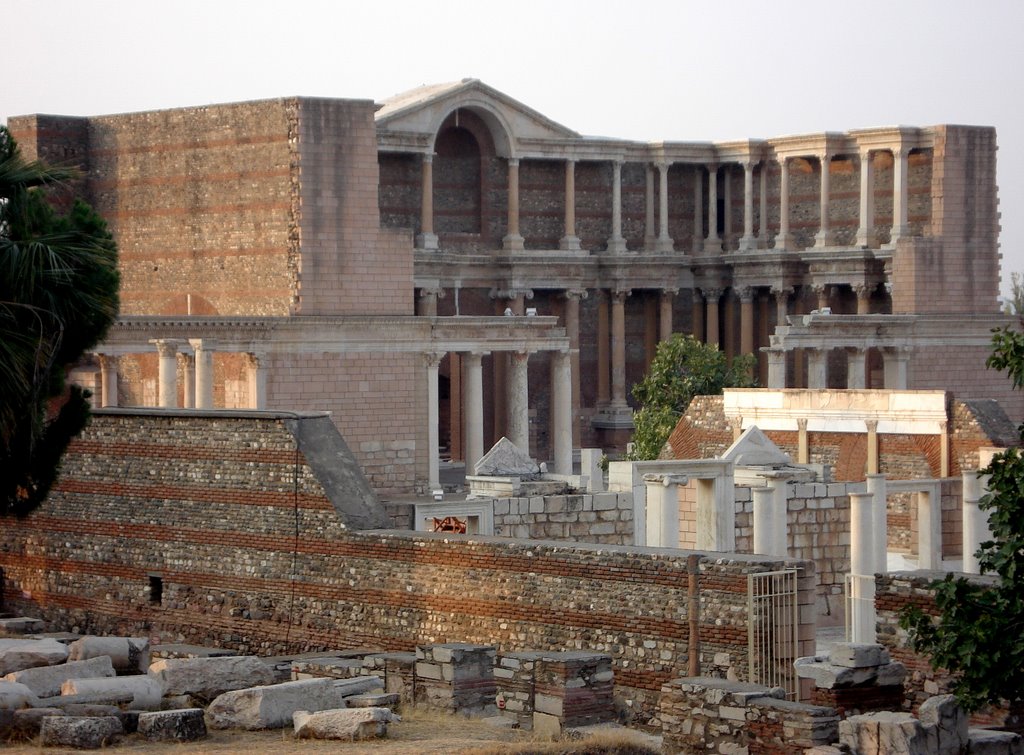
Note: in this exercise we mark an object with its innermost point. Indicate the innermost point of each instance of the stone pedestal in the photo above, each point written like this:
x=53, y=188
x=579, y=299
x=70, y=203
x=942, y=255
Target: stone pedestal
x=455, y=677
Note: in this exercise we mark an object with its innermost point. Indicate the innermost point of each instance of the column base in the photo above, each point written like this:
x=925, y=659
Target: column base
x=512, y=243
x=783, y=243
x=863, y=240
x=823, y=239
x=613, y=417
x=748, y=244
x=569, y=244
x=426, y=241
x=617, y=246
x=713, y=245
x=666, y=246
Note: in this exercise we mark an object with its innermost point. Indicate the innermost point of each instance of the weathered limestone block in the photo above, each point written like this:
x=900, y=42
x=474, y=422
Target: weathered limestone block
x=21, y=625
x=950, y=721
x=348, y=724
x=384, y=700
x=14, y=695
x=147, y=691
x=102, y=697
x=26, y=722
x=506, y=459
x=128, y=654
x=46, y=681
x=209, y=677
x=271, y=707
x=186, y=725
x=892, y=733
x=80, y=733
x=826, y=675
x=857, y=655
x=17, y=655
x=992, y=742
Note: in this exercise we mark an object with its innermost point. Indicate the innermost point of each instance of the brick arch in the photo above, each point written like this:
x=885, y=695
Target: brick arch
x=463, y=174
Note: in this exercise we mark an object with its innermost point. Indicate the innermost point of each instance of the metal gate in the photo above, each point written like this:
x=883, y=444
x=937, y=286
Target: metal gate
x=773, y=629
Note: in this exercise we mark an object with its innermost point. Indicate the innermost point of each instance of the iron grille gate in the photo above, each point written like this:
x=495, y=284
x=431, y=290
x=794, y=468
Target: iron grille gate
x=773, y=629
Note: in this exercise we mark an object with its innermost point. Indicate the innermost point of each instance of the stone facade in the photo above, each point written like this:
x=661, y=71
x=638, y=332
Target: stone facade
x=586, y=517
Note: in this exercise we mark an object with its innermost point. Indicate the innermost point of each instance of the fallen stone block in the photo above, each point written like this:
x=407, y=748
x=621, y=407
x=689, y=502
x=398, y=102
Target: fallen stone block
x=17, y=655
x=25, y=723
x=21, y=625
x=86, y=698
x=890, y=732
x=14, y=695
x=208, y=677
x=384, y=700
x=347, y=724
x=186, y=725
x=147, y=692
x=992, y=742
x=80, y=733
x=46, y=681
x=950, y=722
x=130, y=655
x=858, y=655
x=271, y=707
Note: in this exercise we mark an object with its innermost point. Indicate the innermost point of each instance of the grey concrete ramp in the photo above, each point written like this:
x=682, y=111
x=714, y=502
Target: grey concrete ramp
x=338, y=472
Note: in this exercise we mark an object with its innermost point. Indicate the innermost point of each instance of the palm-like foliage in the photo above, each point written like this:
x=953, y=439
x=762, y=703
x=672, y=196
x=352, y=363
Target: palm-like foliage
x=58, y=296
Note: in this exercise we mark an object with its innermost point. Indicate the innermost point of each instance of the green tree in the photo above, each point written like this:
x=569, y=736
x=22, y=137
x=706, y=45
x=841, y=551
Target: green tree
x=682, y=368
x=58, y=297
x=1015, y=305
x=978, y=634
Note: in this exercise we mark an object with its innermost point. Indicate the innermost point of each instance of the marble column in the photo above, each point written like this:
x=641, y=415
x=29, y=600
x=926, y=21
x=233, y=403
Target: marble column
x=698, y=315
x=474, y=397
x=519, y=401
x=821, y=292
x=713, y=243
x=665, y=242
x=871, y=427
x=513, y=241
x=824, y=235
x=619, y=347
x=188, y=373
x=561, y=400
x=711, y=297
x=426, y=304
x=727, y=235
x=748, y=242
x=866, y=227
x=431, y=360
x=167, y=373
x=784, y=239
x=616, y=243
x=863, y=298
x=976, y=528
x=875, y=484
x=572, y=330
x=698, y=210
x=203, y=348
x=499, y=361
x=650, y=239
x=257, y=364
x=108, y=379
x=570, y=241
x=603, y=351
x=665, y=313
x=817, y=368
x=776, y=368
x=781, y=305
x=651, y=329
x=900, y=227
x=746, y=295
x=803, y=453
x=427, y=239
x=762, y=225
x=856, y=368
x=944, y=449
x=862, y=587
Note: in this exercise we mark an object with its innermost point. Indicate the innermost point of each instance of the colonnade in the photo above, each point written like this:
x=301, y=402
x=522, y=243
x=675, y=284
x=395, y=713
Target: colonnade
x=656, y=236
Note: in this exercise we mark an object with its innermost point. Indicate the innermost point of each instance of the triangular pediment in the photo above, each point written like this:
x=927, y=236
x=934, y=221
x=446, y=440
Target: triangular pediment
x=411, y=119
x=754, y=448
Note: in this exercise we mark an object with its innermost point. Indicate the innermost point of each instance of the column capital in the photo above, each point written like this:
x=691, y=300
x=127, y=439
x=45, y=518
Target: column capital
x=576, y=293
x=663, y=165
x=782, y=292
x=863, y=290
x=437, y=292
x=712, y=293
x=900, y=151
x=745, y=293
x=520, y=356
x=871, y=425
x=431, y=359
x=106, y=360
x=475, y=354
x=203, y=344
x=857, y=350
x=166, y=347
x=668, y=293
x=510, y=293
x=513, y=162
x=621, y=294
x=801, y=424
x=428, y=157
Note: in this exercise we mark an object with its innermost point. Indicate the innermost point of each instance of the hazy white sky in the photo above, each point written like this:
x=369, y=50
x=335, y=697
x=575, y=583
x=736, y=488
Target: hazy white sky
x=648, y=70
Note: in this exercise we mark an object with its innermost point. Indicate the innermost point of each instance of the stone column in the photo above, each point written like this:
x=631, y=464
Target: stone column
x=108, y=379
x=499, y=360
x=780, y=491
x=203, y=347
x=713, y=243
x=746, y=295
x=866, y=227
x=765, y=517
x=619, y=347
x=895, y=366
x=603, y=355
x=474, y=398
x=863, y=292
x=728, y=329
x=784, y=239
x=698, y=315
x=711, y=297
x=616, y=243
x=256, y=362
x=665, y=242
x=748, y=242
x=762, y=225
x=188, y=372
x=821, y=291
x=803, y=455
x=871, y=426
x=698, y=210
x=862, y=622
x=781, y=305
x=427, y=239
x=944, y=449
x=976, y=529
x=665, y=314
x=900, y=227
x=513, y=241
x=561, y=410
x=776, y=368
x=856, y=368
x=431, y=360
x=426, y=305
x=727, y=207
x=572, y=330
x=817, y=368
x=570, y=241
x=649, y=238
x=929, y=528
x=879, y=521
x=824, y=235
x=519, y=401
x=651, y=329
x=167, y=380
x=662, y=515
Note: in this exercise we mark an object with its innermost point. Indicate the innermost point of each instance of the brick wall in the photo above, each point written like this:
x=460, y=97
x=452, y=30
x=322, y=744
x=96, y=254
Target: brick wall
x=208, y=505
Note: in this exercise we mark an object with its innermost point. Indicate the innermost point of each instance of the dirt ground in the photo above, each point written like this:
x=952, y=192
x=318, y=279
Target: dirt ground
x=419, y=733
